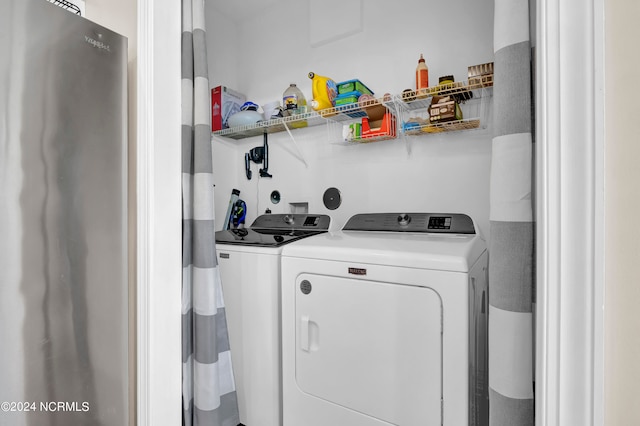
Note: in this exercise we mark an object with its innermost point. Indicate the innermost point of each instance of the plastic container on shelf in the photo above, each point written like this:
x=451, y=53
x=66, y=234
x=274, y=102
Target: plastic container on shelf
x=324, y=91
x=347, y=98
x=353, y=86
x=293, y=101
x=271, y=110
x=247, y=116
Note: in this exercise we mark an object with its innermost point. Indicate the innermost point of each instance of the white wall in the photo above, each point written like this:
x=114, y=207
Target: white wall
x=262, y=54
x=622, y=209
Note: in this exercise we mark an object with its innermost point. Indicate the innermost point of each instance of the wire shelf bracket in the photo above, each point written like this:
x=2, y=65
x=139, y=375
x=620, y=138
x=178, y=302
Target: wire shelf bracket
x=67, y=5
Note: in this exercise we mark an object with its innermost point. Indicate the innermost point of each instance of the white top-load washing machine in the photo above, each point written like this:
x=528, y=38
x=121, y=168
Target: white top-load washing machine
x=249, y=262
x=385, y=323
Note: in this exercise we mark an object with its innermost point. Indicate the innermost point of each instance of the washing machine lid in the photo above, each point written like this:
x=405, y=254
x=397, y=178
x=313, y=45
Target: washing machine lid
x=364, y=240
x=261, y=237
x=274, y=230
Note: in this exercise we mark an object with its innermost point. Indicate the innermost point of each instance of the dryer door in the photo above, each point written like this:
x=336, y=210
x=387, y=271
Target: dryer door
x=371, y=347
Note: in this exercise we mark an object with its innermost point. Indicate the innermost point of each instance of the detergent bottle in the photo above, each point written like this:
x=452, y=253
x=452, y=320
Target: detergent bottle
x=324, y=91
x=293, y=101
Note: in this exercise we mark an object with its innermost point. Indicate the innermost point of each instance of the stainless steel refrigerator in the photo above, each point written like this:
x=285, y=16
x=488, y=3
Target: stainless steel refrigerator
x=63, y=219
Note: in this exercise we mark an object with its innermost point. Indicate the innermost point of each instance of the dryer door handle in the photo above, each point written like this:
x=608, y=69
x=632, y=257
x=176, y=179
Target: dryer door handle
x=309, y=334
x=304, y=333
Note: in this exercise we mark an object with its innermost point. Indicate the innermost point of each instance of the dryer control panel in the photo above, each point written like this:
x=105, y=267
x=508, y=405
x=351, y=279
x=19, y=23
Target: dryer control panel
x=440, y=223
x=292, y=221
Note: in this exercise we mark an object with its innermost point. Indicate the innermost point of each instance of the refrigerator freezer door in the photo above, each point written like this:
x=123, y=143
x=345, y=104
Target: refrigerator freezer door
x=63, y=241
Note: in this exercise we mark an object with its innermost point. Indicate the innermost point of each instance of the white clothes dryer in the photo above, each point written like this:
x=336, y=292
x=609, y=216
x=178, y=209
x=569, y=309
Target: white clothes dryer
x=385, y=323
x=249, y=262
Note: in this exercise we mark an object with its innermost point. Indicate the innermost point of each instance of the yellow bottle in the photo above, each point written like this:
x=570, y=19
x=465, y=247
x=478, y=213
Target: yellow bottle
x=324, y=91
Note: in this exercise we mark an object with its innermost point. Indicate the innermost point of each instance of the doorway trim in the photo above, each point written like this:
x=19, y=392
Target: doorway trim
x=159, y=221
x=570, y=212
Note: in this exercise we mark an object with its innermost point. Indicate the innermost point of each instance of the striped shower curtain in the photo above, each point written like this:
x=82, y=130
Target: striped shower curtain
x=208, y=389
x=511, y=264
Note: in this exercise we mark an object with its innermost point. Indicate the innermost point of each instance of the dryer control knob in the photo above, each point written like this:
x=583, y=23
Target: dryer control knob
x=288, y=219
x=404, y=219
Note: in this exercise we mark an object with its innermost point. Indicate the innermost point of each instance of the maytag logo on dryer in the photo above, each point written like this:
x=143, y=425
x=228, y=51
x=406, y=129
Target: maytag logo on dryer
x=97, y=44
x=357, y=271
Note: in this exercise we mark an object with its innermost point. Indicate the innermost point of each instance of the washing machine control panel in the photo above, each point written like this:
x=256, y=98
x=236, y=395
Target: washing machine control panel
x=292, y=221
x=404, y=219
x=440, y=223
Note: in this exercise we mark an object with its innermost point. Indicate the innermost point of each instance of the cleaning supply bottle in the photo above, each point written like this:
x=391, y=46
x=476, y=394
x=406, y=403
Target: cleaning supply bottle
x=422, y=75
x=294, y=102
x=324, y=91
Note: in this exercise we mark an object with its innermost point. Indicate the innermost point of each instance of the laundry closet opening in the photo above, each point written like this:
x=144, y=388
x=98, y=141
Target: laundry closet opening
x=256, y=53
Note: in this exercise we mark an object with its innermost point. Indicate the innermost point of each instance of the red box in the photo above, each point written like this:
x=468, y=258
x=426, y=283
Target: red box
x=380, y=128
x=224, y=103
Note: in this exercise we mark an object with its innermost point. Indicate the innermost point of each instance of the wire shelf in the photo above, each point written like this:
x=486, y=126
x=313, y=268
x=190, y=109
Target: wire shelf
x=298, y=121
x=471, y=98
x=67, y=6
x=371, y=108
x=421, y=99
x=385, y=128
x=449, y=126
x=398, y=105
x=367, y=139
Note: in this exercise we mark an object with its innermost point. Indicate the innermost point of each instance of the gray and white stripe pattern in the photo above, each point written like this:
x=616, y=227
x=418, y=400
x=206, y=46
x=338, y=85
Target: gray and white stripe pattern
x=511, y=260
x=208, y=387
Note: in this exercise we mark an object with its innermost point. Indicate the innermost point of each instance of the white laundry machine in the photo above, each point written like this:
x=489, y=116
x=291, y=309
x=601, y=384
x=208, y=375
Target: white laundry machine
x=385, y=323
x=249, y=262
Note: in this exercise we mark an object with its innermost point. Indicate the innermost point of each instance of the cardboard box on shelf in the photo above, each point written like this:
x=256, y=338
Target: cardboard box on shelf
x=224, y=103
x=444, y=109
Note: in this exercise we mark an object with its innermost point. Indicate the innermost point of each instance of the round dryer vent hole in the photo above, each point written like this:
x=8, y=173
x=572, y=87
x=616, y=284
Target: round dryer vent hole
x=332, y=198
x=275, y=197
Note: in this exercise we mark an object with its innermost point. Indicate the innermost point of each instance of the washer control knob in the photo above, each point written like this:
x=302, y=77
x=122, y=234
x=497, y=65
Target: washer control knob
x=404, y=219
x=288, y=219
